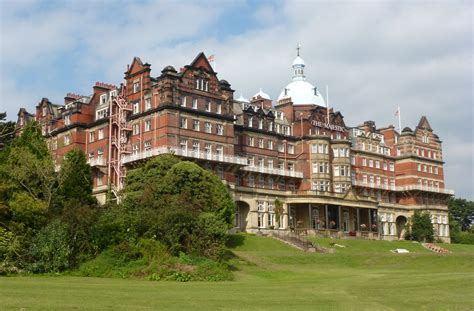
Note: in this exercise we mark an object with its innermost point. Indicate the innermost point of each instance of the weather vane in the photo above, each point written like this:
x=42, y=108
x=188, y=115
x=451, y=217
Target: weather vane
x=298, y=46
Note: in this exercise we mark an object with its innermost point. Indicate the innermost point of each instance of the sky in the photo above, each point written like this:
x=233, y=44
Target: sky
x=373, y=55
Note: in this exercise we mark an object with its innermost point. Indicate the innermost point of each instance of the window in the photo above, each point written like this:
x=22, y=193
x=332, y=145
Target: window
x=183, y=101
x=219, y=108
x=419, y=167
x=183, y=145
x=392, y=167
x=250, y=141
x=335, y=152
x=377, y=164
x=385, y=166
x=207, y=127
x=270, y=126
x=219, y=152
x=261, y=181
x=147, y=125
x=91, y=156
x=353, y=161
x=424, y=168
x=136, y=87
x=364, y=162
x=207, y=150
x=135, y=149
x=270, y=183
x=136, y=129
x=261, y=206
x=100, y=155
x=336, y=170
x=251, y=181
x=364, y=179
x=377, y=180
x=280, y=147
x=195, y=148
x=196, y=125
x=208, y=106
x=45, y=111
x=136, y=108
x=101, y=134
x=436, y=170
x=260, y=143
x=250, y=122
x=91, y=137
x=250, y=161
x=260, y=162
x=291, y=149
x=147, y=103
x=371, y=163
x=147, y=145
x=67, y=119
x=67, y=140
x=270, y=144
x=219, y=129
x=314, y=148
x=291, y=167
x=100, y=114
x=260, y=124
x=425, y=139
x=270, y=163
x=183, y=123
x=195, y=103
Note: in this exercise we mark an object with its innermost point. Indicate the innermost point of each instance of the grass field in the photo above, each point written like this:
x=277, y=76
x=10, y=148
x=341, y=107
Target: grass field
x=273, y=276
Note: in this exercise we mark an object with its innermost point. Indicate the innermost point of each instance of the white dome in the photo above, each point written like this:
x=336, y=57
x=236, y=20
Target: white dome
x=298, y=61
x=262, y=95
x=242, y=99
x=302, y=93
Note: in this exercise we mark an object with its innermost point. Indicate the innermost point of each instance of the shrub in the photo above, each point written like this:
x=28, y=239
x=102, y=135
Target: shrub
x=421, y=227
x=50, y=249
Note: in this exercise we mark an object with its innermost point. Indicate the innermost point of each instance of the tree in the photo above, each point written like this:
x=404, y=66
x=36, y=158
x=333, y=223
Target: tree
x=278, y=210
x=421, y=227
x=75, y=179
x=7, y=131
x=462, y=211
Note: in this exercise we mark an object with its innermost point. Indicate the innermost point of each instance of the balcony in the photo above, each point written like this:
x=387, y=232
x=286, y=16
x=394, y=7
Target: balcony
x=273, y=171
x=403, y=188
x=96, y=162
x=373, y=185
x=187, y=153
x=425, y=188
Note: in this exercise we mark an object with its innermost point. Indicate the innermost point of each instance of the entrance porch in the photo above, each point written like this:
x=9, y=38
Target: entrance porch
x=333, y=220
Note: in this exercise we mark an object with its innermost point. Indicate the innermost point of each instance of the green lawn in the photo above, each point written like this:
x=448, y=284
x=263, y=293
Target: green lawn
x=273, y=276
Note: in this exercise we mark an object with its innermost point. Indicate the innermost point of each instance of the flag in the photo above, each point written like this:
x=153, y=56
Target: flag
x=211, y=58
x=397, y=113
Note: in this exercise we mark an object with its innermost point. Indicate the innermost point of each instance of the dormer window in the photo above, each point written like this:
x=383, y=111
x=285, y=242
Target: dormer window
x=103, y=99
x=67, y=119
x=260, y=124
x=250, y=122
x=201, y=84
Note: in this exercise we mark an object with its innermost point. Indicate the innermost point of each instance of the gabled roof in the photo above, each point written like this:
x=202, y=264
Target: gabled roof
x=424, y=124
x=201, y=61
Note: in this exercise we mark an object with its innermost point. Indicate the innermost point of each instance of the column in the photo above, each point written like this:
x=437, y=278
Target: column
x=358, y=220
x=339, y=217
x=370, y=219
x=309, y=218
x=326, y=216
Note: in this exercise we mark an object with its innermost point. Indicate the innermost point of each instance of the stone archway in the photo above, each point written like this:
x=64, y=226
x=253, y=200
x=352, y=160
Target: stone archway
x=401, y=221
x=242, y=215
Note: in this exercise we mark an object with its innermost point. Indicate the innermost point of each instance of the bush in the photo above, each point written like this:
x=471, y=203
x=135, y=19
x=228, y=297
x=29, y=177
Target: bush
x=421, y=227
x=50, y=249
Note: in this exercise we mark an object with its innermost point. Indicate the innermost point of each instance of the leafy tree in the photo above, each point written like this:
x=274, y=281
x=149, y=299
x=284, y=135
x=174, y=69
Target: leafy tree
x=462, y=211
x=7, y=131
x=75, y=179
x=278, y=209
x=421, y=227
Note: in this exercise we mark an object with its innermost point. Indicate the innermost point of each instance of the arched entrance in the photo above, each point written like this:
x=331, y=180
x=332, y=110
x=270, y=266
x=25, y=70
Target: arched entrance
x=401, y=222
x=241, y=215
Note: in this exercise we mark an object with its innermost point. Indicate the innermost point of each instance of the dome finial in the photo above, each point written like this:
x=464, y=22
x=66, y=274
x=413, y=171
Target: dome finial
x=298, y=47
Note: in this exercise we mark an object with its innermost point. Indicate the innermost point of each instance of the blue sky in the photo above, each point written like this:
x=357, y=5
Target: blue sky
x=374, y=55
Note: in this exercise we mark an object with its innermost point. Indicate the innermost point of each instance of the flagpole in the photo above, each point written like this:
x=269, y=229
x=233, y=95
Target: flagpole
x=327, y=102
x=399, y=120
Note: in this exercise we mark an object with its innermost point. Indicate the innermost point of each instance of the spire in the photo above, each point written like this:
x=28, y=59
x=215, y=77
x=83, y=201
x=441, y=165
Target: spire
x=298, y=66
